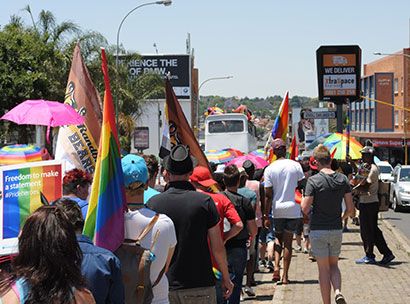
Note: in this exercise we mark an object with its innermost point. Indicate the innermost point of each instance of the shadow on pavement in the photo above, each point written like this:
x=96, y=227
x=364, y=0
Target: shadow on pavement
x=258, y=298
x=352, y=243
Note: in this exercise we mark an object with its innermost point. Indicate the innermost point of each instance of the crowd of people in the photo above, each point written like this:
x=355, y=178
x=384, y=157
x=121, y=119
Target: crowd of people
x=202, y=230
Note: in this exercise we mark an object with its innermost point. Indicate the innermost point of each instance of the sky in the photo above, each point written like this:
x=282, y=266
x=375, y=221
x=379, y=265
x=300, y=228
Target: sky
x=268, y=46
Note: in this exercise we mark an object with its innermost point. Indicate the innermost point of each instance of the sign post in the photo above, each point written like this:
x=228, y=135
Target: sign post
x=338, y=71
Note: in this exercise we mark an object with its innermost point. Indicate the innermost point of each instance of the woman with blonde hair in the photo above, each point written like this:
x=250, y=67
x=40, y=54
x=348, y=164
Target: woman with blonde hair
x=324, y=193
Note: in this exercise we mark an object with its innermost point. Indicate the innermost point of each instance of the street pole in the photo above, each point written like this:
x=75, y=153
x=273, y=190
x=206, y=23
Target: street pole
x=165, y=3
x=339, y=114
x=197, y=99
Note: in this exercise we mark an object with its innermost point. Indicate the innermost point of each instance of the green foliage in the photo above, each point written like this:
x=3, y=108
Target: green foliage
x=36, y=60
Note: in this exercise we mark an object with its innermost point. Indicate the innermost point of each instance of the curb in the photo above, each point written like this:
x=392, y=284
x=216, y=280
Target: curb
x=403, y=240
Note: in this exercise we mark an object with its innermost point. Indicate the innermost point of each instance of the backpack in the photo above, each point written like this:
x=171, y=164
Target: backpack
x=136, y=267
x=243, y=234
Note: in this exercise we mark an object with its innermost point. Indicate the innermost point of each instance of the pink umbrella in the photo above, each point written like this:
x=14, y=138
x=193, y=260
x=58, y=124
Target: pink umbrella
x=44, y=113
x=259, y=162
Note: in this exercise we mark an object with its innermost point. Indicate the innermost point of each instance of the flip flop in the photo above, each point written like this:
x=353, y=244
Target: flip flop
x=340, y=299
x=285, y=283
x=276, y=276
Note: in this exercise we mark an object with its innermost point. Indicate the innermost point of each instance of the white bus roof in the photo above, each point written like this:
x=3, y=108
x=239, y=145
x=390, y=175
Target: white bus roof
x=226, y=116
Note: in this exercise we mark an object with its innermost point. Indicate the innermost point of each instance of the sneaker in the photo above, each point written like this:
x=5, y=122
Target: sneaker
x=366, y=260
x=345, y=229
x=298, y=248
x=270, y=266
x=387, y=259
x=249, y=291
x=305, y=250
x=262, y=263
x=340, y=299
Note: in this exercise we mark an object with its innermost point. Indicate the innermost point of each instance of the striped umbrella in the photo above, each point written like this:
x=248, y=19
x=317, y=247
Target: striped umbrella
x=234, y=152
x=17, y=154
x=218, y=156
x=260, y=152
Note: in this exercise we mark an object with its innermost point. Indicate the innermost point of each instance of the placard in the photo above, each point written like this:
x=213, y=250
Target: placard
x=21, y=186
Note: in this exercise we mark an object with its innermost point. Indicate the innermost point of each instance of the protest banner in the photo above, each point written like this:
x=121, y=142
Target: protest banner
x=21, y=186
x=78, y=144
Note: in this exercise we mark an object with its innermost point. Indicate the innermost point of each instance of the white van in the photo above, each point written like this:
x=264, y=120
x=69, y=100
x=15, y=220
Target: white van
x=234, y=131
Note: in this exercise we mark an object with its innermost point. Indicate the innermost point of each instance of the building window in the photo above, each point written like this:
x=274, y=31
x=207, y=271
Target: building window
x=402, y=84
x=352, y=120
x=396, y=85
x=396, y=118
x=371, y=86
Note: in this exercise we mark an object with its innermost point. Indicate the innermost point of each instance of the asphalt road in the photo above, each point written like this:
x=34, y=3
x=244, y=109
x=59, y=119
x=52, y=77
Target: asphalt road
x=400, y=219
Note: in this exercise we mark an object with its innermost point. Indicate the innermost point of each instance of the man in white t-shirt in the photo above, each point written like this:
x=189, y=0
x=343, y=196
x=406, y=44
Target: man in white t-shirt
x=281, y=179
x=138, y=217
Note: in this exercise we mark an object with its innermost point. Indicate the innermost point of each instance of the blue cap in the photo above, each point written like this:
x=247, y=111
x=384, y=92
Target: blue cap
x=134, y=169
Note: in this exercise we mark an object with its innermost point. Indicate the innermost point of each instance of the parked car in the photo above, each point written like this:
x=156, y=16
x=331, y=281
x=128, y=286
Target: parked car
x=399, y=195
x=385, y=171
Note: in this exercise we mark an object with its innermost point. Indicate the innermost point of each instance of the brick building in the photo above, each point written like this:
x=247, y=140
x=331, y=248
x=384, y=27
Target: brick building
x=388, y=80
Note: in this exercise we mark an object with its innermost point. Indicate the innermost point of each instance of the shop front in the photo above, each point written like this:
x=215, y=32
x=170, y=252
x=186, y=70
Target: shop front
x=390, y=149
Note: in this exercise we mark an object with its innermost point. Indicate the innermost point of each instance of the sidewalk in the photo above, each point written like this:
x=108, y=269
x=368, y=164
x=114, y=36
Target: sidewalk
x=360, y=283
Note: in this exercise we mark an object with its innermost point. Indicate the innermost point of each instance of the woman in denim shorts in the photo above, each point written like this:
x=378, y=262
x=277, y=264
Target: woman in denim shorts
x=323, y=194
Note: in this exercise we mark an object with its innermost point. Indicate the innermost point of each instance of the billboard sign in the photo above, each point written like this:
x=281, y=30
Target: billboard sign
x=338, y=70
x=178, y=66
x=306, y=126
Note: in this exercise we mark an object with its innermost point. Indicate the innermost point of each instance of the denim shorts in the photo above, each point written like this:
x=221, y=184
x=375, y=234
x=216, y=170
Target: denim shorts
x=285, y=225
x=326, y=243
x=265, y=235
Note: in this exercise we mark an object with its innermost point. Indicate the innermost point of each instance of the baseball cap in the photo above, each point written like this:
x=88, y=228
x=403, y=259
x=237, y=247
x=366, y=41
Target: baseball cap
x=312, y=163
x=202, y=176
x=278, y=143
x=134, y=169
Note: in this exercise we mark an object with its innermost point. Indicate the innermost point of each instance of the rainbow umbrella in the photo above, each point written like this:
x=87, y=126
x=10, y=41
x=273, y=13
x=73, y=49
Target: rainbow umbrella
x=218, y=156
x=17, y=154
x=234, y=152
x=259, y=152
x=340, y=146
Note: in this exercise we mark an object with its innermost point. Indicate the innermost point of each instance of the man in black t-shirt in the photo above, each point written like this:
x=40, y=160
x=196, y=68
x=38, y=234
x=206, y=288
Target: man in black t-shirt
x=195, y=218
x=236, y=247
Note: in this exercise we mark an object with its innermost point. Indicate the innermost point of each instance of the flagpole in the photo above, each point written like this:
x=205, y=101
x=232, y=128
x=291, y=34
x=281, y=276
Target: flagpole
x=348, y=129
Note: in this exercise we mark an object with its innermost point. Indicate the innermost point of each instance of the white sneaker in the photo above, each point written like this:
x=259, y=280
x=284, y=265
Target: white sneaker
x=305, y=250
x=249, y=291
x=298, y=248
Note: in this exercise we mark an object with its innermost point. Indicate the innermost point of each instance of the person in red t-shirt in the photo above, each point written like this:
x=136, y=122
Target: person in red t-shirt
x=202, y=181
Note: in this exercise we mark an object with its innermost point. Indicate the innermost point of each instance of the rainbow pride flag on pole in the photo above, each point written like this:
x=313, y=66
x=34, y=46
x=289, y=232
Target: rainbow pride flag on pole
x=293, y=151
x=280, y=127
x=105, y=218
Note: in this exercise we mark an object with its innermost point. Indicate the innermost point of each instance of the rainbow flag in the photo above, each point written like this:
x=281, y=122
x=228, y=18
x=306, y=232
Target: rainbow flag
x=21, y=193
x=293, y=150
x=105, y=218
x=280, y=127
